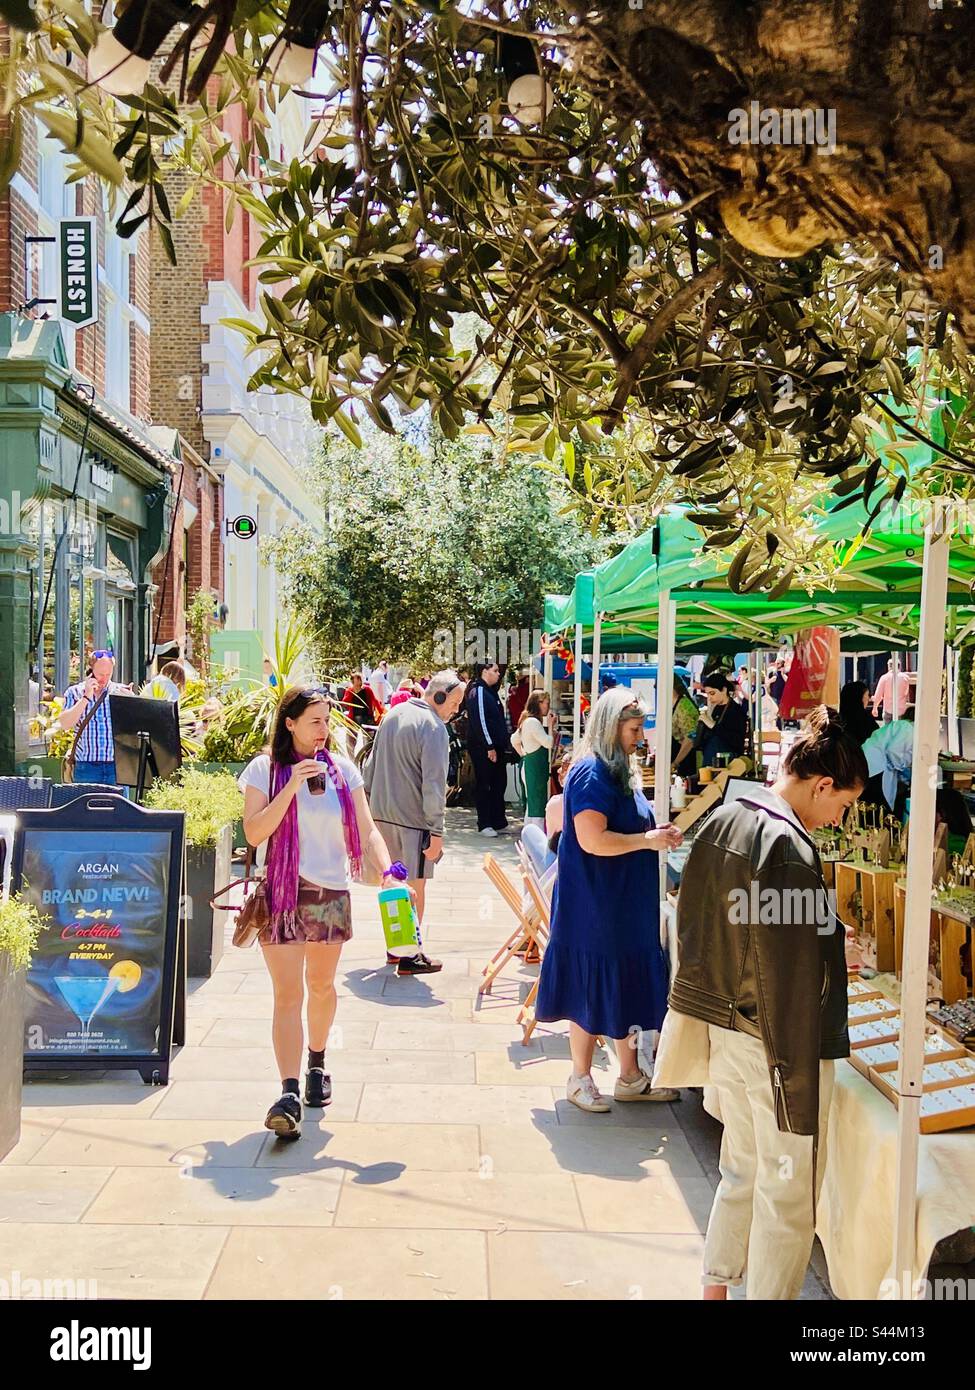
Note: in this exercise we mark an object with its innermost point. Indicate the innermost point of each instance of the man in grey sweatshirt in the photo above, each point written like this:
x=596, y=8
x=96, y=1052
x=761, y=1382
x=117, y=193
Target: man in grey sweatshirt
x=406, y=783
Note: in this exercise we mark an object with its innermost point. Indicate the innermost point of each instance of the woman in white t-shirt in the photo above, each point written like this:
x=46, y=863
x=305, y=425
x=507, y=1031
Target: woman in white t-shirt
x=310, y=806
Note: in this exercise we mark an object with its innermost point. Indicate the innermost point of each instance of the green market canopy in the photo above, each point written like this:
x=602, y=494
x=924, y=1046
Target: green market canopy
x=875, y=603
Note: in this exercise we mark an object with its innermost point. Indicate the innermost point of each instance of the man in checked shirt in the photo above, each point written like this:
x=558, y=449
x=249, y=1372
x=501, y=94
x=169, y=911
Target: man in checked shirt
x=95, y=754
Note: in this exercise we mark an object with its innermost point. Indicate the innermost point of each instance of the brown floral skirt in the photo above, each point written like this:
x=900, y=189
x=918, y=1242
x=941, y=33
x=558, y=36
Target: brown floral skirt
x=322, y=915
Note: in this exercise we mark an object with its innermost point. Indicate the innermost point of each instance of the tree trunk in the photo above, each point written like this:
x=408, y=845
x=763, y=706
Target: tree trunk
x=893, y=78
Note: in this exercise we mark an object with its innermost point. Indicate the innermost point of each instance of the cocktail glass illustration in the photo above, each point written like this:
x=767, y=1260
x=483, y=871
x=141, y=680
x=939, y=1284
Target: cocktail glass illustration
x=85, y=995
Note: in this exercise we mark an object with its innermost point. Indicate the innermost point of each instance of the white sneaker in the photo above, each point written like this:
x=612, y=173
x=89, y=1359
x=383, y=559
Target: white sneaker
x=490, y=832
x=583, y=1092
x=642, y=1088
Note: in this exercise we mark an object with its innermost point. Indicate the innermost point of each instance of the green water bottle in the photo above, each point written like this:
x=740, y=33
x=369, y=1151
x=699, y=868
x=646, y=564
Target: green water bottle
x=400, y=927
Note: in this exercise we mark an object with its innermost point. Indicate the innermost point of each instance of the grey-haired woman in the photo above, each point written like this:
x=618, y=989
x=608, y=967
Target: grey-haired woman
x=604, y=968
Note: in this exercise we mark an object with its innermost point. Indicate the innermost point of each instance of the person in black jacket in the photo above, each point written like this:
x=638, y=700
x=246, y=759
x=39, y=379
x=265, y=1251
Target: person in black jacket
x=723, y=726
x=488, y=741
x=758, y=1006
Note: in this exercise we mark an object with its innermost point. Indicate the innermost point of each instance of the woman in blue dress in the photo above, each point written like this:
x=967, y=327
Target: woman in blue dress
x=604, y=968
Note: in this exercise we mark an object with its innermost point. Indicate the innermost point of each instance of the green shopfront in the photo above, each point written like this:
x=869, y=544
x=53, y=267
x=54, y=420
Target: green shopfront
x=80, y=529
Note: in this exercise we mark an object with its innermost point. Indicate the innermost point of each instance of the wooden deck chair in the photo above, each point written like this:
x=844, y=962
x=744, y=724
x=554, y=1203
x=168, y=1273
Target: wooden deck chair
x=529, y=869
x=526, y=1014
x=540, y=901
x=526, y=923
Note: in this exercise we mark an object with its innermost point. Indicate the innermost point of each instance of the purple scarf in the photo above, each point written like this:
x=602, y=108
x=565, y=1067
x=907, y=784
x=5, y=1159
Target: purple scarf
x=282, y=854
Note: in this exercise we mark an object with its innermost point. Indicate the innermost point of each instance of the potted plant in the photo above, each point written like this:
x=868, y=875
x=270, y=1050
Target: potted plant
x=50, y=743
x=211, y=803
x=20, y=923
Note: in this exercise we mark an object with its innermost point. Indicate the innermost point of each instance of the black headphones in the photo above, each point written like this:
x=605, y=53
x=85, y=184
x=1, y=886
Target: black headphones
x=440, y=696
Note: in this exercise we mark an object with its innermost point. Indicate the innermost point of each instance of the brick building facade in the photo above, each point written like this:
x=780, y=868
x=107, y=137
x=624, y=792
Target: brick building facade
x=113, y=353
x=249, y=441
x=85, y=488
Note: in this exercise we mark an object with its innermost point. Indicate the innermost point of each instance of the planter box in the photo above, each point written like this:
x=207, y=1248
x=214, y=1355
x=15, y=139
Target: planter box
x=236, y=768
x=11, y=1052
x=43, y=766
x=206, y=870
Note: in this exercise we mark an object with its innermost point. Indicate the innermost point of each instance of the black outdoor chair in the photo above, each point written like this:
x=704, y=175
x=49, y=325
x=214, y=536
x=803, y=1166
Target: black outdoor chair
x=62, y=793
x=24, y=793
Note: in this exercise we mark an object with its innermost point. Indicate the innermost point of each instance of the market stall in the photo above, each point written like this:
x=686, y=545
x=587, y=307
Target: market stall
x=897, y=586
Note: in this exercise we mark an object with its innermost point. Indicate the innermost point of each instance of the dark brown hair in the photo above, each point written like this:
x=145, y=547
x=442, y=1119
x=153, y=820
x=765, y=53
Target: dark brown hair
x=176, y=672
x=533, y=707
x=293, y=704
x=824, y=748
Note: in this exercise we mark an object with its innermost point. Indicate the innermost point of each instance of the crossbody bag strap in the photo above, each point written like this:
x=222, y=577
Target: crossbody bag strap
x=83, y=724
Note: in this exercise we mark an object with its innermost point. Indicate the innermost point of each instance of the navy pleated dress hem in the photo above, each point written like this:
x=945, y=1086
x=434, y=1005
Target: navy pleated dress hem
x=604, y=968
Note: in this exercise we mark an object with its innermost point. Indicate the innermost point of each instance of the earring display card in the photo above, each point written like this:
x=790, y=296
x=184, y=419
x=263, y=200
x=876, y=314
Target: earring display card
x=881, y=1030
x=950, y=1108
x=870, y=1010
x=861, y=989
x=885, y=1057
x=958, y=1072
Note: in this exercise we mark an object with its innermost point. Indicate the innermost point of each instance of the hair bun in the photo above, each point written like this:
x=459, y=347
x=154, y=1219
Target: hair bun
x=825, y=721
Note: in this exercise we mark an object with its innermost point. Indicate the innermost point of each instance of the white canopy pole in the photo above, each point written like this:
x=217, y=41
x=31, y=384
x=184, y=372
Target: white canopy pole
x=917, y=911
x=577, y=690
x=666, y=631
x=954, y=745
x=548, y=669
x=596, y=635
x=756, y=704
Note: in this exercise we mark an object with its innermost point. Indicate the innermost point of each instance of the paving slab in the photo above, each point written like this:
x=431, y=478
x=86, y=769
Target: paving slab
x=376, y=1153
x=457, y=1201
x=120, y=1261
x=450, y=1165
x=389, y=1265
x=37, y=1194
x=239, y=1100
x=425, y=1104
x=216, y=1196
x=568, y=1265
x=256, y=1033
x=153, y=1143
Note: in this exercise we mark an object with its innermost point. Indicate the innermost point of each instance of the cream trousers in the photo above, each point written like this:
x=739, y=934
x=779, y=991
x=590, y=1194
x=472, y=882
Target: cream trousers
x=763, y=1218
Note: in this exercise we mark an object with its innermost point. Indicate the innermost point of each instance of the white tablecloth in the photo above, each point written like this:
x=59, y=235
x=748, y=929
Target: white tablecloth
x=856, y=1208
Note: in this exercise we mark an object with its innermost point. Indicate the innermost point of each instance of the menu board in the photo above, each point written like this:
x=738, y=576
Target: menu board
x=100, y=985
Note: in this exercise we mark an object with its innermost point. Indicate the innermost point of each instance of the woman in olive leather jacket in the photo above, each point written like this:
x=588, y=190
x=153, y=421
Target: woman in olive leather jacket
x=758, y=1007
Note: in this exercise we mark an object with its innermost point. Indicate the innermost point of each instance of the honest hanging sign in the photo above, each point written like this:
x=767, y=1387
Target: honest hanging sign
x=79, y=270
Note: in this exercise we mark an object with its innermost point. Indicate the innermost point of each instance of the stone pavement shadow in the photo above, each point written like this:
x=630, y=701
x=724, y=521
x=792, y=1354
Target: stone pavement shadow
x=86, y=1087
x=369, y=984
x=217, y=1166
x=588, y=1153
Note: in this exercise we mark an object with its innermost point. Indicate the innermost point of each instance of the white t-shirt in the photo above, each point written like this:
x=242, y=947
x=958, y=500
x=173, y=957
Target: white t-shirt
x=321, y=839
